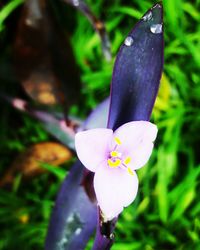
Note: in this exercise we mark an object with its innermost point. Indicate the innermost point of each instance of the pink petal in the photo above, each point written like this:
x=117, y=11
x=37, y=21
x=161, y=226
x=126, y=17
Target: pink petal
x=133, y=132
x=136, y=141
x=115, y=189
x=140, y=155
x=92, y=146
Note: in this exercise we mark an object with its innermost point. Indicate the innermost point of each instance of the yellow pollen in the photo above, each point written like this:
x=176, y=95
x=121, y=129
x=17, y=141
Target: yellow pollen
x=114, y=164
x=114, y=153
x=127, y=160
x=117, y=140
x=130, y=171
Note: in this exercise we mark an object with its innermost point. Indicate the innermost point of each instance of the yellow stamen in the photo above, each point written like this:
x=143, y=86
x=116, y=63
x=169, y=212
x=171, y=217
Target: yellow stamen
x=117, y=140
x=114, y=153
x=127, y=160
x=114, y=164
x=130, y=171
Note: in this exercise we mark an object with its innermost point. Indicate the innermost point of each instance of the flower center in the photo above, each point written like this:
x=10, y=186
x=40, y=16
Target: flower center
x=116, y=159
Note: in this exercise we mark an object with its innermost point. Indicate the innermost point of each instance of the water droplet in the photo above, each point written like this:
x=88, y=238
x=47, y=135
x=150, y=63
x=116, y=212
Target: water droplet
x=128, y=41
x=73, y=227
x=62, y=243
x=76, y=2
x=112, y=236
x=78, y=231
x=156, y=28
x=148, y=16
x=157, y=6
x=28, y=22
x=70, y=218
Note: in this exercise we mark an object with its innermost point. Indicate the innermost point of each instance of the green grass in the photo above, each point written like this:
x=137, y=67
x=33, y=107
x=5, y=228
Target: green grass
x=166, y=213
x=5, y=12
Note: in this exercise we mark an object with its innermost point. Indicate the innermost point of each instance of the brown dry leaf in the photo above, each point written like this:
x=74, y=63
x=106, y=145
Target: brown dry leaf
x=44, y=59
x=28, y=163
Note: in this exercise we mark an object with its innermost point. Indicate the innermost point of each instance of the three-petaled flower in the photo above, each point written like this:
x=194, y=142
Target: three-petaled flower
x=114, y=156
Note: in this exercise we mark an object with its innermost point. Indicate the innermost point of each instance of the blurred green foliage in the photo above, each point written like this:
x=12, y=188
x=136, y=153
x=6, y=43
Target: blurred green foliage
x=166, y=213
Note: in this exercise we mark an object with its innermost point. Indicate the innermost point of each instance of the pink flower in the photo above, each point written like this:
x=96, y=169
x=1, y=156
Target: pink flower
x=114, y=156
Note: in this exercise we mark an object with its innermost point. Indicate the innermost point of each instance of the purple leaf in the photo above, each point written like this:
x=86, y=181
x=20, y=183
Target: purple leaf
x=137, y=71
x=105, y=242
x=74, y=215
x=56, y=126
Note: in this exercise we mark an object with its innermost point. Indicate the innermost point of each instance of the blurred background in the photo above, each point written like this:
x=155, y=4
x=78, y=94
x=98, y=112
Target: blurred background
x=46, y=44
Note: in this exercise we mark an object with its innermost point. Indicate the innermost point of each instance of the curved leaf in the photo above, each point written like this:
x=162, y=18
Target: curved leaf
x=44, y=59
x=54, y=123
x=74, y=216
x=137, y=72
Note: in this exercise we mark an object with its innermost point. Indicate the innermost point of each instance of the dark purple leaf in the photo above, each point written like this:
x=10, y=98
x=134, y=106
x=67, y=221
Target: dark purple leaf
x=74, y=216
x=104, y=236
x=55, y=127
x=137, y=71
x=54, y=124
x=135, y=84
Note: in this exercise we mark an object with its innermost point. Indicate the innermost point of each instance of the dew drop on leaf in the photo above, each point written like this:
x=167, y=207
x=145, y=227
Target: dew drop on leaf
x=76, y=2
x=156, y=28
x=148, y=16
x=128, y=41
x=78, y=231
